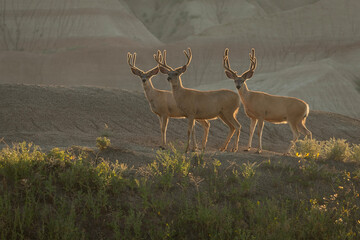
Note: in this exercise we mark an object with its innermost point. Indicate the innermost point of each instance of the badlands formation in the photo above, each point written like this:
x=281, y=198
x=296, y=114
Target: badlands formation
x=71, y=56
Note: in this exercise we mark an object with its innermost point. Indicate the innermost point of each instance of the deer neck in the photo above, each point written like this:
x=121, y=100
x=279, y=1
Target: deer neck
x=244, y=93
x=148, y=89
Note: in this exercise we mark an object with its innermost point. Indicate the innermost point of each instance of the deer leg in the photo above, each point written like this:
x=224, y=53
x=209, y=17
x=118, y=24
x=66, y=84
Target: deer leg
x=231, y=132
x=162, y=145
x=237, y=126
x=296, y=134
x=163, y=124
x=260, y=130
x=252, y=129
x=191, y=124
x=302, y=128
x=206, y=125
x=193, y=136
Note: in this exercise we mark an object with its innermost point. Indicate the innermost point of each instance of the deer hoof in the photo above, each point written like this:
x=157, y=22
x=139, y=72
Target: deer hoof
x=259, y=151
x=161, y=148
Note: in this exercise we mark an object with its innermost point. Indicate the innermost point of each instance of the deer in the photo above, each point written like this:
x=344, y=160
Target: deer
x=261, y=106
x=162, y=102
x=195, y=104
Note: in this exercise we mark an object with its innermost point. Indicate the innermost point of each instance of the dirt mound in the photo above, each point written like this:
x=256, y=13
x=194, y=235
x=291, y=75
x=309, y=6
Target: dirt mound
x=66, y=116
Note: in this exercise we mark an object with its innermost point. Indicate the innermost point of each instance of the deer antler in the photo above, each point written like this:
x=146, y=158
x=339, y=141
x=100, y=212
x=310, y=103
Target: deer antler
x=188, y=56
x=253, y=62
x=226, y=62
x=161, y=60
x=131, y=59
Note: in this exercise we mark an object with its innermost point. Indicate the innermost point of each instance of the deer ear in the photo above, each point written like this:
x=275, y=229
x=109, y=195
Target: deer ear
x=152, y=72
x=136, y=71
x=229, y=74
x=248, y=75
x=181, y=69
x=163, y=70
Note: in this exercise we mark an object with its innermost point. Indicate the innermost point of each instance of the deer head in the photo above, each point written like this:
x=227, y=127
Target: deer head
x=239, y=80
x=173, y=74
x=144, y=76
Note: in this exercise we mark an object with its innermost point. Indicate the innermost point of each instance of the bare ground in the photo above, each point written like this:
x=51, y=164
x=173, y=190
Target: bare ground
x=55, y=116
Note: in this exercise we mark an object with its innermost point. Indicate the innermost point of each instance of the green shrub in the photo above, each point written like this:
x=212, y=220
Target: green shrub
x=307, y=148
x=169, y=166
x=103, y=143
x=355, y=153
x=337, y=149
x=248, y=169
x=332, y=149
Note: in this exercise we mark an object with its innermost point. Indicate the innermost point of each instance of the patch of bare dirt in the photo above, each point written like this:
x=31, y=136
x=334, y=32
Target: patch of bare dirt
x=55, y=116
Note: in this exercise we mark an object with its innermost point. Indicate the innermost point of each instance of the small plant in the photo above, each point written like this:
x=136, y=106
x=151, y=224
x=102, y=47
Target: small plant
x=57, y=154
x=248, y=169
x=106, y=131
x=355, y=153
x=103, y=143
x=169, y=166
x=337, y=149
x=307, y=148
x=310, y=168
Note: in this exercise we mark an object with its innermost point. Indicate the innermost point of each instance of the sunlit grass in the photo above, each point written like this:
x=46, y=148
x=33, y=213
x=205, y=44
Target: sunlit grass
x=332, y=149
x=68, y=194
